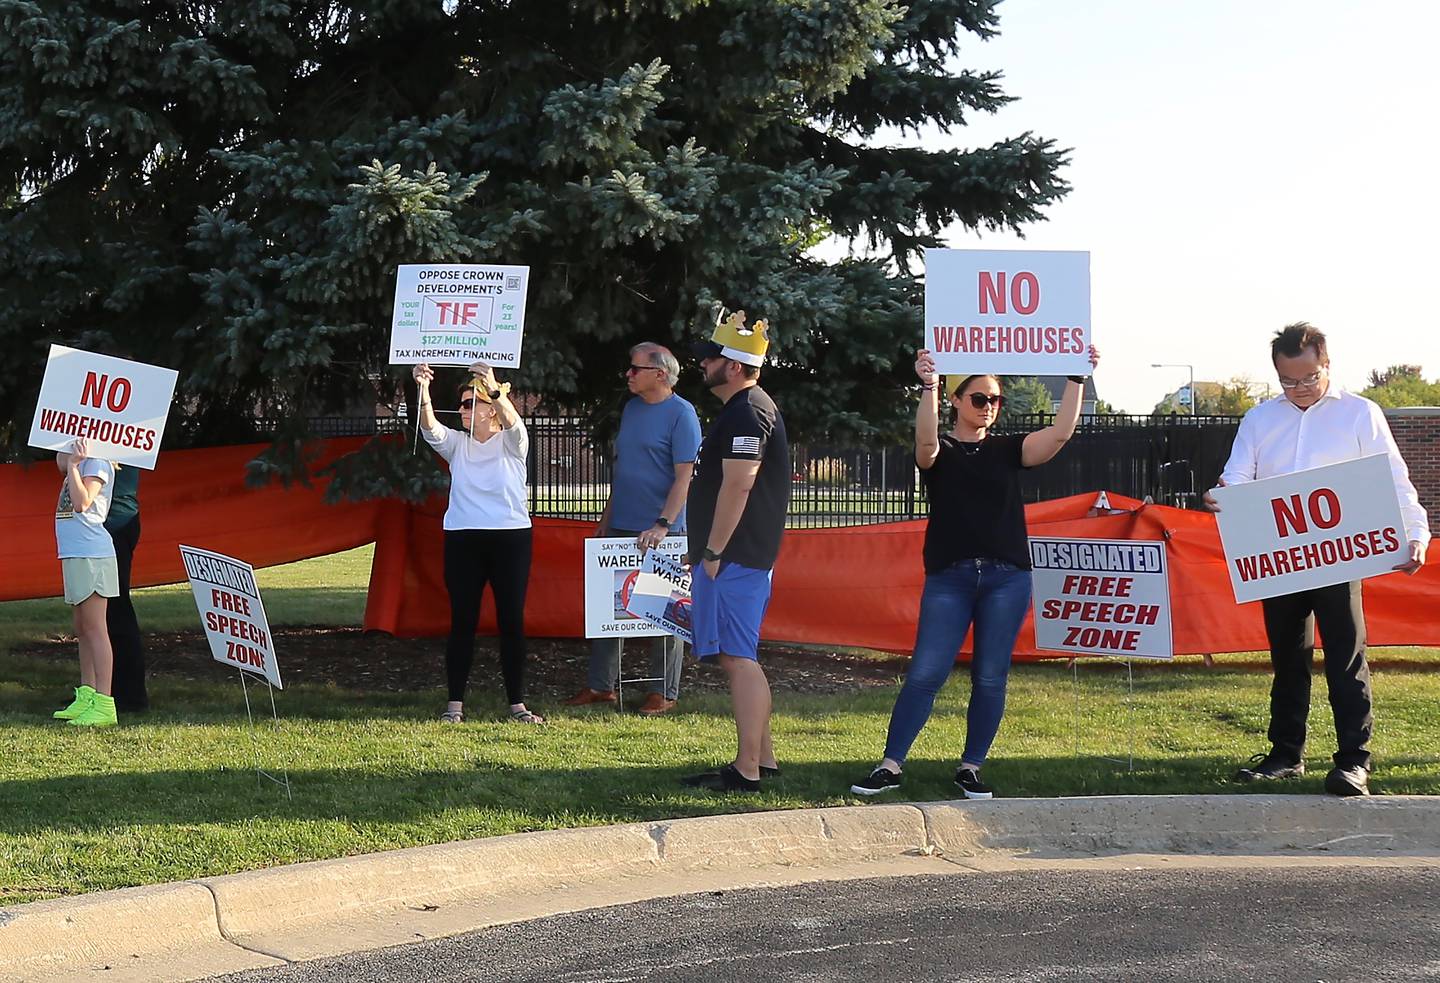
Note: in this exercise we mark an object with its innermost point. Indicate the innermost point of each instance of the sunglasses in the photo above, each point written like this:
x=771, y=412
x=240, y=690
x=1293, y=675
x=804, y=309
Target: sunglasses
x=639, y=368
x=980, y=401
x=467, y=404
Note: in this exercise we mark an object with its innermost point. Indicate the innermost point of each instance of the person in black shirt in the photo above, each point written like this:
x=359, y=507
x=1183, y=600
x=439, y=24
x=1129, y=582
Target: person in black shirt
x=738, y=499
x=123, y=524
x=977, y=564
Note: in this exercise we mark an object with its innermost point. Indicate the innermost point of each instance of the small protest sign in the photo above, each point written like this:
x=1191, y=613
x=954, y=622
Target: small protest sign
x=456, y=314
x=1310, y=529
x=613, y=568
x=232, y=612
x=661, y=595
x=1102, y=597
x=118, y=405
x=1010, y=312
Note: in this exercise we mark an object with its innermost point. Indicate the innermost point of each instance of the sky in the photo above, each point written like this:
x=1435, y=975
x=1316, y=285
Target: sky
x=1236, y=166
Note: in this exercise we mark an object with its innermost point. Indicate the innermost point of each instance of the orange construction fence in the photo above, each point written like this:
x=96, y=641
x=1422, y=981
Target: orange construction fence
x=842, y=586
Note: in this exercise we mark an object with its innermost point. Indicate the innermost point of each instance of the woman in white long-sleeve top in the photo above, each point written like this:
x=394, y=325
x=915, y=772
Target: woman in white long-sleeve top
x=487, y=530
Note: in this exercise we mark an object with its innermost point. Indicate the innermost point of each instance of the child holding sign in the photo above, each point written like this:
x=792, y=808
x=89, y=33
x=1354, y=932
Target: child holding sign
x=87, y=563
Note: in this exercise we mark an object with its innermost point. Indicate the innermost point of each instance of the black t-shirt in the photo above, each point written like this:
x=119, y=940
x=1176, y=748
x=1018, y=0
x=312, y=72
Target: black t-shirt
x=976, y=511
x=748, y=428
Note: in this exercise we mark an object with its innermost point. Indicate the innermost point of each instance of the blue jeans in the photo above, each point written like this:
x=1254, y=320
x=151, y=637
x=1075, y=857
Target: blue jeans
x=992, y=594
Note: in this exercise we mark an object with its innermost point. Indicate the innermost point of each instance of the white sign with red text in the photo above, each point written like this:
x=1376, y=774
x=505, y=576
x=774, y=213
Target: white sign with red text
x=118, y=405
x=1008, y=312
x=456, y=314
x=232, y=612
x=1102, y=597
x=613, y=568
x=1310, y=529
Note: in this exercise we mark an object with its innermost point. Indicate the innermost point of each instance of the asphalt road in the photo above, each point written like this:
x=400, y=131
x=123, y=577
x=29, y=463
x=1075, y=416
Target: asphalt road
x=1261, y=923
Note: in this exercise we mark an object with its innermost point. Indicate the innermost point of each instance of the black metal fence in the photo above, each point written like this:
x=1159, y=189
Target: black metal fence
x=1170, y=459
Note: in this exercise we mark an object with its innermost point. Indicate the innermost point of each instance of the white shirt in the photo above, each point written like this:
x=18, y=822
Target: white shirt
x=1277, y=437
x=487, y=479
x=82, y=534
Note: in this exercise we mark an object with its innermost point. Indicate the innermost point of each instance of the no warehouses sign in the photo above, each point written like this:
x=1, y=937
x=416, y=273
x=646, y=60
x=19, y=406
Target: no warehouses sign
x=118, y=405
x=1313, y=528
x=458, y=314
x=1008, y=312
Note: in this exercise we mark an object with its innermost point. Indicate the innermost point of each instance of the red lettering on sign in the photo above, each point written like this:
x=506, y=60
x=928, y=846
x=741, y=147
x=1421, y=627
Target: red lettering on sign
x=1026, y=286
x=1331, y=516
x=1291, y=515
x=992, y=292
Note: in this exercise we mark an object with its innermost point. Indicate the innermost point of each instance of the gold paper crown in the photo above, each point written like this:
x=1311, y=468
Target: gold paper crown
x=482, y=394
x=743, y=344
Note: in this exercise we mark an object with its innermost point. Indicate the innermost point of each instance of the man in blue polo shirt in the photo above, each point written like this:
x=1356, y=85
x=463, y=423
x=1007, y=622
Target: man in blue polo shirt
x=738, y=501
x=654, y=456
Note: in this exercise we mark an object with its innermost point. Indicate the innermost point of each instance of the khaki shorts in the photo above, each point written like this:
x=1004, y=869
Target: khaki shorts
x=86, y=575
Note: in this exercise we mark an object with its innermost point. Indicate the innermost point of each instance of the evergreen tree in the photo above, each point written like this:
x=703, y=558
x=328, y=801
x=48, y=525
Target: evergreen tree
x=227, y=187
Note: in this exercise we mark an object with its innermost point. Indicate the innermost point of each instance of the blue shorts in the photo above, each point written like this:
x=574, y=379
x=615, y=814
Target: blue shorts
x=726, y=612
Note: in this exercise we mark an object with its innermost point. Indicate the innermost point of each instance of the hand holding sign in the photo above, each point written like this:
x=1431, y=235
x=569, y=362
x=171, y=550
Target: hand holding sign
x=1417, y=559
x=925, y=369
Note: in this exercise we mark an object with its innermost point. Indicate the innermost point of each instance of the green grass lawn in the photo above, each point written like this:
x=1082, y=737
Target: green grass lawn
x=176, y=795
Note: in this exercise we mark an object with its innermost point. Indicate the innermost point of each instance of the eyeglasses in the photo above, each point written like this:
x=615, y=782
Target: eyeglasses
x=980, y=401
x=1310, y=380
x=639, y=368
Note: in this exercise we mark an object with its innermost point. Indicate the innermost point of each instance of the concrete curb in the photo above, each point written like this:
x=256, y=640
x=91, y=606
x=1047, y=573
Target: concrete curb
x=304, y=911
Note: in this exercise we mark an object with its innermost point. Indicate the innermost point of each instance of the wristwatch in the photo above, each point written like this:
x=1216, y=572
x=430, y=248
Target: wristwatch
x=663, y=522
x=496, y=393
x=710, y=554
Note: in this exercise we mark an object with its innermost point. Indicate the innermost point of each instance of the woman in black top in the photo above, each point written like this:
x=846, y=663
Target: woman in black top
x=977, y=565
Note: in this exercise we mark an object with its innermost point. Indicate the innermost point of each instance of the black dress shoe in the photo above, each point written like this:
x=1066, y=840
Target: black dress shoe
x=1268, y=767
x=1354, y=780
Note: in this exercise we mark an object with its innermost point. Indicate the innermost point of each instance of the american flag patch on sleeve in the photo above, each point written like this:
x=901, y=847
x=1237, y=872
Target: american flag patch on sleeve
x=746, y=445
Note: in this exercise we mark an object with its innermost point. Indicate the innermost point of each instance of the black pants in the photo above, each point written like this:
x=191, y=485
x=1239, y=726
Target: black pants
x=128, y=686
x=473, y=558
x=1290, y=626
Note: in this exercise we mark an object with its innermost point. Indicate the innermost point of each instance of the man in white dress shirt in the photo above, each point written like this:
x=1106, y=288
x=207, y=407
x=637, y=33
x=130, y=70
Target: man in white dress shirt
x=1314, y=423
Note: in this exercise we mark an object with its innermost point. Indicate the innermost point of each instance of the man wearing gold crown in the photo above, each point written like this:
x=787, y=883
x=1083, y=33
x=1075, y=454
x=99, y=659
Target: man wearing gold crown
x=738, y=499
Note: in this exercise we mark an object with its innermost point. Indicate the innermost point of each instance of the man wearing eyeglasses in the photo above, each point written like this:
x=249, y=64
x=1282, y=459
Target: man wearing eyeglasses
x=1312, y=424
x=654, y=457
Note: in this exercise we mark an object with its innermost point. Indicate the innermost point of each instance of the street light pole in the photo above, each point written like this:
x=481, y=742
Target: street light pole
x=1180, y=365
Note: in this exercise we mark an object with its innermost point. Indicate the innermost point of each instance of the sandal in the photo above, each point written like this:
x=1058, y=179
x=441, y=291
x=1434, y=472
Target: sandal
x=526, y=717
x=452, y=717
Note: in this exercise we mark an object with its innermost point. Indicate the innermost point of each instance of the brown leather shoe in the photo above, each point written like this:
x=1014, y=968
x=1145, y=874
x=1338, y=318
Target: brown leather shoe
x=656, y=704
x=588, y=696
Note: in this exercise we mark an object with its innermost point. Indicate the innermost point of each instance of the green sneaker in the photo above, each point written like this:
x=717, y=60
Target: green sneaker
x=100, y=713
x=84, y=695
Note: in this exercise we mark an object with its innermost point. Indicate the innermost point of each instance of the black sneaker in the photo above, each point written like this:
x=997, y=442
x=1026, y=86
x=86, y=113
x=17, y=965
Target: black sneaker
x=725, y=779
x=969, y=781
x=1269, y=767
x=879, y=780
x=1354, y=780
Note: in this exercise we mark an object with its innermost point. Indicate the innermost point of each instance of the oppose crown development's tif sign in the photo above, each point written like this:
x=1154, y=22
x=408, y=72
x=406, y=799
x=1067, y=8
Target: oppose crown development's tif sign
x=454, y=314
x=118, y=405
x=1310, y=529
x=232, y=612
x=1102, y=597
x=1010, y=312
